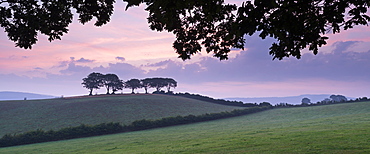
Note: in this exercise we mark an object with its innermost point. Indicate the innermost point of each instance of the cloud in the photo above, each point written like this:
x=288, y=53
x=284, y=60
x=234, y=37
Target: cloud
x=120, y=58
x=123, y=70
x=161, y=63
x=83, y=60
x=341, y=46
x=256, y=65
x=61, y=64
x=68, y=81
x=75, y=69
x=251, y=73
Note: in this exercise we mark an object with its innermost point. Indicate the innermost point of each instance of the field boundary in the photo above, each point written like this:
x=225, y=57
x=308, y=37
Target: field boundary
x=39, y=136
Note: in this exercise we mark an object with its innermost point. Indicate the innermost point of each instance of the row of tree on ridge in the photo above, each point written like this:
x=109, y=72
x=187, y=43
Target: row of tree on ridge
x=113, y=83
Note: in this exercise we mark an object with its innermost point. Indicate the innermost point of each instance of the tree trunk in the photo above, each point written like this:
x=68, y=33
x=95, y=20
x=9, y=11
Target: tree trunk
x=168, y=89
x=107, y=90
x=91, y=90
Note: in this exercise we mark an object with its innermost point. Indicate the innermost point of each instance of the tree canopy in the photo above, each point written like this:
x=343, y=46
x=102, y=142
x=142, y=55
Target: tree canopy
x=93, y=81
x=211, y=24
x=145, y=83
x=306, y=101
x=133, y=84
x=113, y=82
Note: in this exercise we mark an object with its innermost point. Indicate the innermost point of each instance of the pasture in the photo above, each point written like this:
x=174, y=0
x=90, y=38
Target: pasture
x=339, y=128
x=23, y=116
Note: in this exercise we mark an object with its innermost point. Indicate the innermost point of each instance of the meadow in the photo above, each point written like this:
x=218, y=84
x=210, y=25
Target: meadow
x=337, y=128
x=23, y=116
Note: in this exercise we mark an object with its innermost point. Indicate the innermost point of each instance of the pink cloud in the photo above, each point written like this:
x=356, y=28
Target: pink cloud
x=358, y=33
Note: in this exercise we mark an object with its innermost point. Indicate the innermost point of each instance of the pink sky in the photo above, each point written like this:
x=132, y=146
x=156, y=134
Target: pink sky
x=127, y=47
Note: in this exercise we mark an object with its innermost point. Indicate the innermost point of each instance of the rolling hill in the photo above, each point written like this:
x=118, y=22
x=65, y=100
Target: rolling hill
x=287, y=99
x=338, y=128
x=11, y=95
x=22, y=116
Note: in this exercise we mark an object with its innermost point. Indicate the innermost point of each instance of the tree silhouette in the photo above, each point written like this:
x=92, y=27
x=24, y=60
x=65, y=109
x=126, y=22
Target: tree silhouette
x=133, y=84
x=158, y=83
x=145, y=83
x=306, y=101
x=111, y=81
x=212, y=24
x=117, y=85
x=338, y=98
x=93, y=81
x=170, y=83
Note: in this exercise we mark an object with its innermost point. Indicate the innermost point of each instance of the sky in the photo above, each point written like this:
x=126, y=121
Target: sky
x=127, y=47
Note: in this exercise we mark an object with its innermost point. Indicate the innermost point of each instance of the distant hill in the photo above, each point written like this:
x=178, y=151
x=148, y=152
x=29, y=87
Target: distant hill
x=9, y=95
x=21, y=116
x=288, y=99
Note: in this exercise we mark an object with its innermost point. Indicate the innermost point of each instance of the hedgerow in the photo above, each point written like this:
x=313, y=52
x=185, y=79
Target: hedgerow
x=83, y=130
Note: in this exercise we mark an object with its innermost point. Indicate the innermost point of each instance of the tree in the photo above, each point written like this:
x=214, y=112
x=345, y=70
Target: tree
x=170, y=83
x=338, y=98
x=295, y=24
x=117, y=85
x=93, y=81
x=158, y=83
x=326, y=101
x=111, y=81
x=133, y=84
x=24, y=19
x=265, y=104
x=145, y=83
x=306, y=101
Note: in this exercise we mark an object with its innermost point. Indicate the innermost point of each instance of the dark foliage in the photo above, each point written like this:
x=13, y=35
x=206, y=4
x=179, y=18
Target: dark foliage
x=212, y=24
x=39, y=135
x=114, y=83
x=218, y=26
x=217, y=101
x=133, y=84
x=93, y=81
x=97, y=80
x=23, y=20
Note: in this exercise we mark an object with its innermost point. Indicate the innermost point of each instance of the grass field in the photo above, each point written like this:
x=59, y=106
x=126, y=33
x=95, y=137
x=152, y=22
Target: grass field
x=22, y=116
x=340, y=128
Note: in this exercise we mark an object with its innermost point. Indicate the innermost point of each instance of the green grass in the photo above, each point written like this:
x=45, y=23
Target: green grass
x=340, y=128
x=22, y=116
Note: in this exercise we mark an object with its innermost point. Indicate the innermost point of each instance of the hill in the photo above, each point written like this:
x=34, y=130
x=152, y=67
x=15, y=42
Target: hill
x=338, y=128
x=288, y=99
x=10, y=95
x=22, y=116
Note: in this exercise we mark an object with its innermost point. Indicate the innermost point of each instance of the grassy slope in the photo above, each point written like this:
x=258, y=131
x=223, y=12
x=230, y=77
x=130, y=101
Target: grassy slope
x=21, y=116
x=340, y=128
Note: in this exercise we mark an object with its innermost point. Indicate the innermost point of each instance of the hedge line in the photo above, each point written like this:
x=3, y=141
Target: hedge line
x=83, y=130
x=216, y=101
